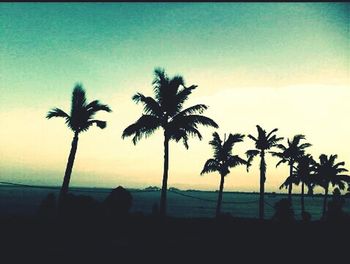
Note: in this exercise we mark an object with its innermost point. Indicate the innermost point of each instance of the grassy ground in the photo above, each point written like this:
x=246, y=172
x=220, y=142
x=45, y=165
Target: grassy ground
x=146, y=239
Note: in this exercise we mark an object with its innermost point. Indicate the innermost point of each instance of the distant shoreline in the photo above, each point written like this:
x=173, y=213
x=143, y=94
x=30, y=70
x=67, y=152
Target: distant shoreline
x=149, y=189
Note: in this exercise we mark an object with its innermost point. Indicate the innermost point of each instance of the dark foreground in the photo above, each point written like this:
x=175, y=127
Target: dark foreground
x=146, y=239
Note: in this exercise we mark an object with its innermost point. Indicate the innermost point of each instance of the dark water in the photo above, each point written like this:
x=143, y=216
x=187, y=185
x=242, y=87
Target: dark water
x=25, y=201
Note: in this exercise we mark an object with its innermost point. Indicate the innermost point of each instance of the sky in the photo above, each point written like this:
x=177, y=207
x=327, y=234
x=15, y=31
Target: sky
x=278, y=65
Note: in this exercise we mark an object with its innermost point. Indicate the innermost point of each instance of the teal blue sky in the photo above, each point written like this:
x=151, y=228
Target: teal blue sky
x=112, y=48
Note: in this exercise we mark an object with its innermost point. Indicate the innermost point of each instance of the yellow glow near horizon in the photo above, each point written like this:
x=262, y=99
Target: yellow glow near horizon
x=28, y=140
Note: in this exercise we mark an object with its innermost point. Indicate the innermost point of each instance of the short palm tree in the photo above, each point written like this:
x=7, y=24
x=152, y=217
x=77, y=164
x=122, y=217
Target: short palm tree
x=166, y=111
x=263, y=142
x=223, y=160
x=81, y=118
x=328, y=172
x=304, y=174
x=289, y=154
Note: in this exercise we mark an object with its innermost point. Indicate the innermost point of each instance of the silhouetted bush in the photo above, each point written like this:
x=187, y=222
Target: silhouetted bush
x=335, y=211
x=155, y=210
x=47, y=208
x=118, y=202
x=306, y=216
x=80, y=207
x=283, y=211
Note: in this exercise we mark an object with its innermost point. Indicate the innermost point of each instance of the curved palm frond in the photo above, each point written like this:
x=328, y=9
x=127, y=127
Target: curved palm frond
x=56, y=112
x=235, y=160
x=231, y=140
x=272, y=131
x=251, y=154
x=96, y=106
x=211, y=165
x=182, y=96
x=150, y=105
x=144, y=126
x=252, y=137
x=196, y=109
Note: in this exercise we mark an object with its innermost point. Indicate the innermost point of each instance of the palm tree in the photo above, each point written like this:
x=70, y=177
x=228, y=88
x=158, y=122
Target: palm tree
x=223, y=160
x=263, y=142
x=289, y=154
x=81, y=118
x=304, y=174
x=328, y=172
x=166, y=111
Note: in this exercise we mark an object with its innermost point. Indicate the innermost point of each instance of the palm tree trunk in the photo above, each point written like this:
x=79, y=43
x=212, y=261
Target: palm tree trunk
x=262, y=185
x=165, y=176
x=290, y=186
x=325, y=202
x=218, y=207
x=69, y=167
x=302, y=198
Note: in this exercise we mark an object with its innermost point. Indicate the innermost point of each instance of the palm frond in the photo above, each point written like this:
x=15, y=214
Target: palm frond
x=235, y=160
x=252, y=137
x=272, y=131
x=182, y=96
x=250, y=155
x=305, y=145
x=231, y=140
x=144, y=126
x=96, y=106
x=211, y=165
x=56, y=112
x=150, y=105
x=196, y=109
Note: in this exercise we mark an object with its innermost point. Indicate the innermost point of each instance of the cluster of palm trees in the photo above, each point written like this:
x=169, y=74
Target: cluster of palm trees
x=166, y=111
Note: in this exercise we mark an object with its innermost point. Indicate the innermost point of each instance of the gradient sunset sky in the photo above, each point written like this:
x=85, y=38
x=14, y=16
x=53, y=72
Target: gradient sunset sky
x=273, y=64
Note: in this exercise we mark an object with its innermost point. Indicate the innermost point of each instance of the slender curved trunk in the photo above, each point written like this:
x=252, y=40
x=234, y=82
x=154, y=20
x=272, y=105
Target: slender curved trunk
x=218, y=206
x=163, y=195
x=69, y=167
x=262, y=184
x=325, y=201
x=302, y=198
x=290, y=186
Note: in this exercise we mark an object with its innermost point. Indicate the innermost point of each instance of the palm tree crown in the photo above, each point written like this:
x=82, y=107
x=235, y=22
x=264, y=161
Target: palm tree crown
x=223, y=158
x=166, y=110
x=263, y=142
x=329, y=172
x=82, y=113
x=292, y=151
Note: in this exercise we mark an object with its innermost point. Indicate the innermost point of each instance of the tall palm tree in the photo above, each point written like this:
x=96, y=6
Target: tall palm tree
x=81, y=118
x=304, y=174
x=263, y=142
x=223, y=160
x=289, y=154
x=328, y=172
x=166, y=111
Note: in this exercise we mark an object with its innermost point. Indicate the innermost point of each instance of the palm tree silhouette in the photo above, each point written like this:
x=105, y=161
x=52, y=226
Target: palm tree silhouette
x=80, y=120
x=289, y=154
x=263, y=142
x=328, y=172
x=223, y=160
x=304, y=174
x=166, y=111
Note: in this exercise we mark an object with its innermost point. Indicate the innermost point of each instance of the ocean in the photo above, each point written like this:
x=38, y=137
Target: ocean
x=24, y=201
